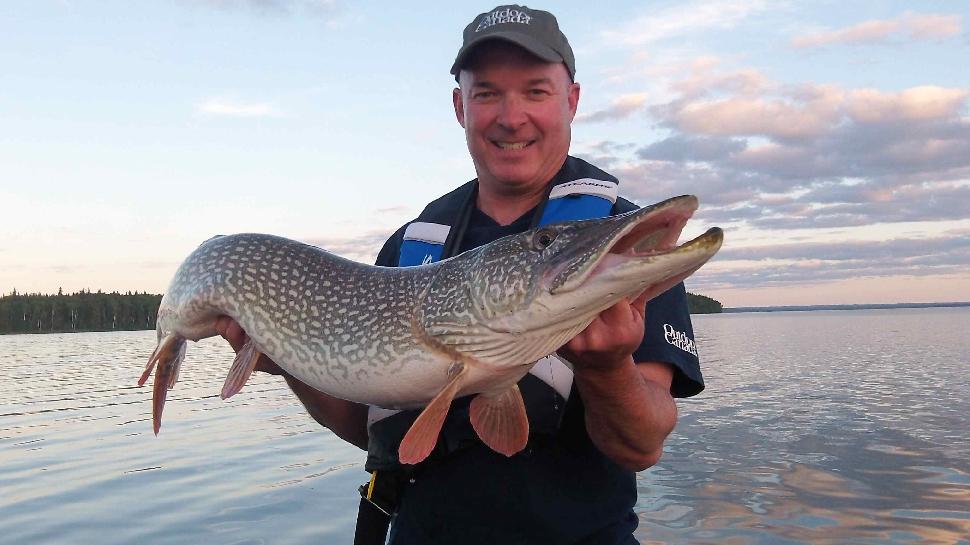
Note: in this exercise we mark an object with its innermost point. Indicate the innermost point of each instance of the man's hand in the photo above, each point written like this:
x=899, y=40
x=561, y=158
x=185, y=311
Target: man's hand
x=233, y=332
x=611, y=338
x=629, y=409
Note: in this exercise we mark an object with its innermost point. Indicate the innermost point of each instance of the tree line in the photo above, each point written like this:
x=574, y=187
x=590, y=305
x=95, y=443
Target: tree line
x=97, y=311
x=702, y=304
x=81, y=311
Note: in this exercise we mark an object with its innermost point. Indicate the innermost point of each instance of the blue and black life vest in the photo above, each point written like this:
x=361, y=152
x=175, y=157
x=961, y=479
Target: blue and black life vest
x=579, y=191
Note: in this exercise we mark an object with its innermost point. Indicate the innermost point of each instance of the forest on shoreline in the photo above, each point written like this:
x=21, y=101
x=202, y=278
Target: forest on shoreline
x=99, y=311
x=75, y=312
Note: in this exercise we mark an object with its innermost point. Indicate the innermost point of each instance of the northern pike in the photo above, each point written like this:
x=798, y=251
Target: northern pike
x=411, y=337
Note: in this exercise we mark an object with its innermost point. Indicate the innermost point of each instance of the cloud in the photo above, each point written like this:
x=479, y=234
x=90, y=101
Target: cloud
x=278, y=7
x=685, y=19
x=917, y=103
x=704, y=79
x=768, y=155
x=362, y=247
x=776, y=116
x=621, y=107
x=235, y=108
x=683, y=148
x=911, y=25
x=810, y=263
x=805, y=111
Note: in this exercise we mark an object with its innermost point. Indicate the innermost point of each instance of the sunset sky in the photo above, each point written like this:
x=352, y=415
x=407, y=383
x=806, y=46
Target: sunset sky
x=831, y=140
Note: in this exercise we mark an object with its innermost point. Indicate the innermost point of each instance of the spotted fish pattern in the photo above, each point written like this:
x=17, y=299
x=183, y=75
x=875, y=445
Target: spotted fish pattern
x=336, y=323
x=419, y=336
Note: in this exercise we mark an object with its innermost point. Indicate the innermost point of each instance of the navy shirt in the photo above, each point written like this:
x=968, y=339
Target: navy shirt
x=561, y=489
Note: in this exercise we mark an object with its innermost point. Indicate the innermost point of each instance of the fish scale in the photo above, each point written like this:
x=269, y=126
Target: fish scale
x=420, y=336
x=278, y=321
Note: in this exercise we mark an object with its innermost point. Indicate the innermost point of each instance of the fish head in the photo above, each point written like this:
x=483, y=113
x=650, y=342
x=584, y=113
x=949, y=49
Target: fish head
x=527, y=294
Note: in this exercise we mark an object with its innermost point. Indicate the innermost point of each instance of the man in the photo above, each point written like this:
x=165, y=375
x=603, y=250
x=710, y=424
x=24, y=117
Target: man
x=593, y=422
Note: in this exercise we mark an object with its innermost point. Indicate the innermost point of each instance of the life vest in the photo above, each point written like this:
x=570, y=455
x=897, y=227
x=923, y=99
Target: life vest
x=579, y=191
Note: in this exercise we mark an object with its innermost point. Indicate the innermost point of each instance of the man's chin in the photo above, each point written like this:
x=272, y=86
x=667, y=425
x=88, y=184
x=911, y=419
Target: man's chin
x=517, y=177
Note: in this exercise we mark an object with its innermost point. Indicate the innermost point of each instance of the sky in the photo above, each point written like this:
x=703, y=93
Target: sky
x=830, y=140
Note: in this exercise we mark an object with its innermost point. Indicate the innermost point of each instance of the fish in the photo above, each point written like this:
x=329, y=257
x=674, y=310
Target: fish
x=422, y=336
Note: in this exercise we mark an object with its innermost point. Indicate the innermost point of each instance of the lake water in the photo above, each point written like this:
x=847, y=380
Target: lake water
x=816, y=427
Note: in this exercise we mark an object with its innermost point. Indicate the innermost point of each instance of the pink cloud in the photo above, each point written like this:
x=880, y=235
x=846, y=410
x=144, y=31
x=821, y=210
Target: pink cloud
x=933, y=26
x=746, y=103
x=915, y=26
x=916, y=103
x=802, y=113
x=704, y=80
x=621, y=107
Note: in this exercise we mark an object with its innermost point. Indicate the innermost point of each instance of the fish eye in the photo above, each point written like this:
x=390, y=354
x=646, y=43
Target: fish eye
x=543, y=238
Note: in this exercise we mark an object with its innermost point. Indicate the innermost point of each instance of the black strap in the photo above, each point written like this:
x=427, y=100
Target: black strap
x=460, y=224
x=372, y=524
x=378, y=501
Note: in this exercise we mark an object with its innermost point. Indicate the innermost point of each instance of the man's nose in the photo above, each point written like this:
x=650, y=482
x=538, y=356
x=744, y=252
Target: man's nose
x=512, y=113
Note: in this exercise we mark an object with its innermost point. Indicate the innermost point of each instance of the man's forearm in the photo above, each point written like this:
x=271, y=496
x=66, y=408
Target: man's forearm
x=629, y=410
x=346, y=419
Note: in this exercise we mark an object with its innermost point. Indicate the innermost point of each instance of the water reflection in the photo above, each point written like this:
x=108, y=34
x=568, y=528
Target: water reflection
x=823, y=427
x=79, y=462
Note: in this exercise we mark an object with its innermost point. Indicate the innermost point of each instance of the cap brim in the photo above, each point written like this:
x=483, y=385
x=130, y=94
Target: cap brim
x=531, y=45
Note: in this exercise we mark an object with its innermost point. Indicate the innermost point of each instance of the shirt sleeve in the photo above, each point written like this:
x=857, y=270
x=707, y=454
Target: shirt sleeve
x=668, y=337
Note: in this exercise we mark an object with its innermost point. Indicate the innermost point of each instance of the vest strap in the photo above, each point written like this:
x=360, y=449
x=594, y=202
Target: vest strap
x=587, y=186
x=423, y=243
x=579, y=200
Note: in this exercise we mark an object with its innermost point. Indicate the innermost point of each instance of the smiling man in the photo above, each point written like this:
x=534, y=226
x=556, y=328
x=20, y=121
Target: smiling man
x=516, y=110
x=600, y=409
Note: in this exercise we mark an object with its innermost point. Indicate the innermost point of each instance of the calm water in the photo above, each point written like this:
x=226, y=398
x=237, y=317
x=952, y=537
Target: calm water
x=816, y=427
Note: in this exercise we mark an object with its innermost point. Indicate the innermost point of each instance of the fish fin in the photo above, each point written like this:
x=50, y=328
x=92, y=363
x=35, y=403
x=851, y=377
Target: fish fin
x=420, y=440
x=501, y=421
x=168, y=356
x=242, y=368
x=152, y=360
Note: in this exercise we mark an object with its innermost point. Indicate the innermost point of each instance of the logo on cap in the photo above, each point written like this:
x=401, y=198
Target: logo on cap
x=503, y=16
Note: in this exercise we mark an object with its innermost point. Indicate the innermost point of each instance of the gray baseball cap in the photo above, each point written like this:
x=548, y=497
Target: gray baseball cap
x=534, y=30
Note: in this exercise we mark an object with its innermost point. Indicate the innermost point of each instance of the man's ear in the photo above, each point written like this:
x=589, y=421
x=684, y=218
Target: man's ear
x=459, y=106
x=573, y=98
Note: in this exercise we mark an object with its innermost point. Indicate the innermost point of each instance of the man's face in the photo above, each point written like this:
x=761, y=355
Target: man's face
x=516, y=110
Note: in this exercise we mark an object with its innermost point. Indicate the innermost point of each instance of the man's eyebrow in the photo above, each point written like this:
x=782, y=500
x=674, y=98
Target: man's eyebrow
x=531, y=83
x=540, y=81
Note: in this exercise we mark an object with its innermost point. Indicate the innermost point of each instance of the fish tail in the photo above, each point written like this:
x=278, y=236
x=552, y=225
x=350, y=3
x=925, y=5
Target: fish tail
x=168, y=356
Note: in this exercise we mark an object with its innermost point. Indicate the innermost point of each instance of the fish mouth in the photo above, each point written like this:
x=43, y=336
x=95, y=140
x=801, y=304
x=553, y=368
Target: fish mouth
x=644, y=235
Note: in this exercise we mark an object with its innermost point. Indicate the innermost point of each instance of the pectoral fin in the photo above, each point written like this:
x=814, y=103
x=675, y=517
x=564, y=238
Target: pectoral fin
x=501, y=421
x=242, y=368
x=420, y=440
x=168, y=358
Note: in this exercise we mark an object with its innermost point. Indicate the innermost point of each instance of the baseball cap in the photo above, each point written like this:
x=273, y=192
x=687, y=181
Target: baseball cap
x=534, y=30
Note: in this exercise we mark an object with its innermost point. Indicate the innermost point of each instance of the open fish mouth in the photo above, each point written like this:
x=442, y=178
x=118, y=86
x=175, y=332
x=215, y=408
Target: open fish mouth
x=644, y=235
